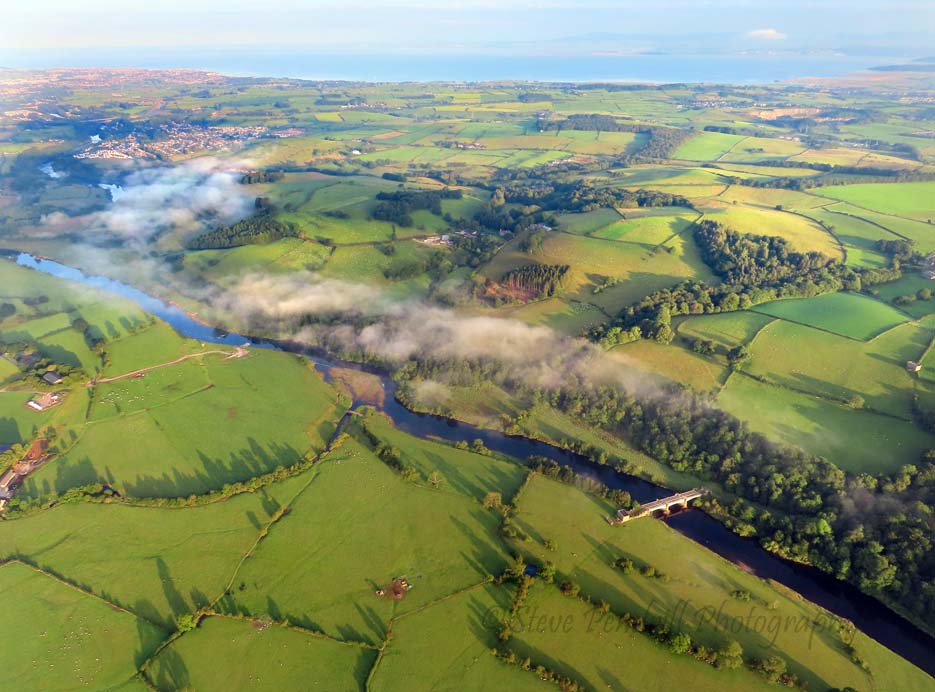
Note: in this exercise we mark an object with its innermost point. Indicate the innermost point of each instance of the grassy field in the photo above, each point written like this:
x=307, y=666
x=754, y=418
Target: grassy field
x=804, y=235
x=847, y=314
x=671, y=363
x=856, y=441
x=694, y=581
x=912, y=200
x=156, y=562
x=707, y=146
x=60, y=639
x=196, y=426
x=460, y=472
x=229, y=654
x=805, y=359
x=727, y=330
x=447, y=648
x=322, y=564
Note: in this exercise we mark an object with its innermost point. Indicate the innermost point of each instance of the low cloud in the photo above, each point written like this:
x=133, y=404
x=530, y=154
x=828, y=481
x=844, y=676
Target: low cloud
x=767, y=35
x=190, y=197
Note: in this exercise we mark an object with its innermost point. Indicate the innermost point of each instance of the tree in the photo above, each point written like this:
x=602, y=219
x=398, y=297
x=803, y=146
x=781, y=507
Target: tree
x=730, y=656
x=738, y=355
x=680, y=643
x=493, y=500
x=436, y=479
x=186, y=622
x=772, y=668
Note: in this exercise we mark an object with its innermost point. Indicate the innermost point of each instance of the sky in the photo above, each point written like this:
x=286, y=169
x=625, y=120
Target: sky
x=899, y=27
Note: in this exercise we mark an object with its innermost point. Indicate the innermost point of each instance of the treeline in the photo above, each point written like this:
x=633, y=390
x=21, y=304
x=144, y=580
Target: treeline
x=842, y=175
x=397, y=207
x=255, y=177
x=262, y=227
x=579, y=197
x=660, y=142
x=755, y=269
x=541, y=279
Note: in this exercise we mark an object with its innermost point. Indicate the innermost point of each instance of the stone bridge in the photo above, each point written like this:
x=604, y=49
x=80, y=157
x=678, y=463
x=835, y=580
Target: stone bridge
x=664, y=505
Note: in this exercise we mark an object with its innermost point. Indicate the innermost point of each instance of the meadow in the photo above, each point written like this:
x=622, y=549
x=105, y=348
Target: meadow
x=321, y=566
x=847, y=314
x=195, y=426
x=228, y=654
x=857, y=441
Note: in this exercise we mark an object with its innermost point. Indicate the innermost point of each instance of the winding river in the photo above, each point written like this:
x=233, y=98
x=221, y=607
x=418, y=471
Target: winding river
x=840, y=598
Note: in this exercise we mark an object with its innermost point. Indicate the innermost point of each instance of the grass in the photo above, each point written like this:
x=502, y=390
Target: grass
x=695, y=580
x=461, y=472
x=229, y=654
x=707, y=146
x=847, y=314
x=727, y=329
x=448, y=647
x=156, y=562
x=913, y=200
x=908, y=284
x=322, y=564
x=803, y=234
x=195, y=426
x=822, y=363
x=856, y=441
x=61, y=639
x=639, y=269
x=672, y=363
x=650, y=230
x=569, y=637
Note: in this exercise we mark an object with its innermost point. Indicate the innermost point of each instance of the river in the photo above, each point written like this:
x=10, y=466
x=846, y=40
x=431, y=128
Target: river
x=869, y=615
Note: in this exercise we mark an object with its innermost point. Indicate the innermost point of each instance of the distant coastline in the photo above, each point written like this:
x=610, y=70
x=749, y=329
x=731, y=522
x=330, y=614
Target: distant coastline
x=654, y=67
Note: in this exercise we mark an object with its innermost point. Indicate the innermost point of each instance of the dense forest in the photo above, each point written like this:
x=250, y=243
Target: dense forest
x=578, y=197
x=262, y=227
x=536, y=279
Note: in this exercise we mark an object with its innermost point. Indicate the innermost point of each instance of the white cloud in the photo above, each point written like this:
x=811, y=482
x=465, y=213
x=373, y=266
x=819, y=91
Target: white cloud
x=767, y=35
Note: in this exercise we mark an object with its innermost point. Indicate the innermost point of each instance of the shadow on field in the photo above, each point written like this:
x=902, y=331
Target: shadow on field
x=9, y=431
x=249, y=462
x=168, y=672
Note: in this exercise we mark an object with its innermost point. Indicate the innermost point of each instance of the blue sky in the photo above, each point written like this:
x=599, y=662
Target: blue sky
x=527, y=26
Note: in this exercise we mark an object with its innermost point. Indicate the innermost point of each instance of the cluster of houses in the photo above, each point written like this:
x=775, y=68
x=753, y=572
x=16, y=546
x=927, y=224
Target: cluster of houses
x=46, y=400
x=929, y=270
x=11, y=479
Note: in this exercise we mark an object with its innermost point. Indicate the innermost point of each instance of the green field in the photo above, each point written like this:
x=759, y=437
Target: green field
x=320, y=568
x=912, y=200
x=856, y=441
x=195, y=426
x=62, y=639
x=847, y=314
x=157, y=562
x=226, y=654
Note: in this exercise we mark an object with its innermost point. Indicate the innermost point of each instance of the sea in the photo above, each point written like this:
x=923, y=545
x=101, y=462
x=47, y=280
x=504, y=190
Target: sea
x=759, y=68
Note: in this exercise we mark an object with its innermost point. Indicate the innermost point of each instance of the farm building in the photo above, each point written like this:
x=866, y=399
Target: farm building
x=912, y=366
x=52, y=378
x=43, y=401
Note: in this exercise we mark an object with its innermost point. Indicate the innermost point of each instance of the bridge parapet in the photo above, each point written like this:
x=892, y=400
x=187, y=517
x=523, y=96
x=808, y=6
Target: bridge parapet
x=664, y=504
